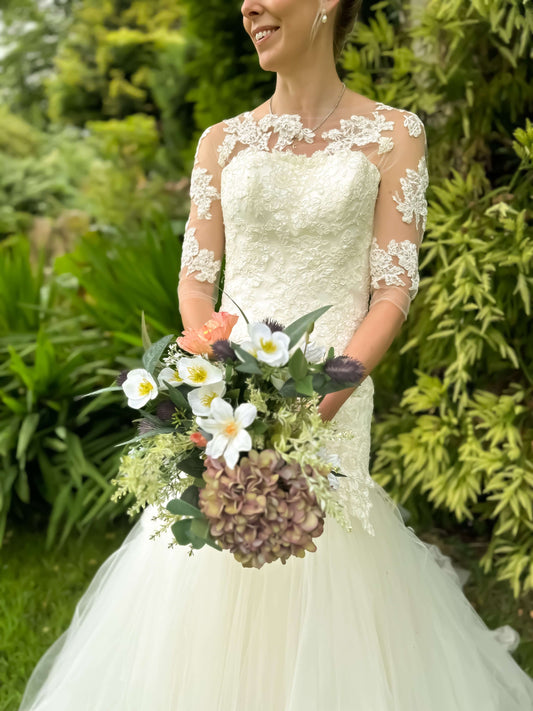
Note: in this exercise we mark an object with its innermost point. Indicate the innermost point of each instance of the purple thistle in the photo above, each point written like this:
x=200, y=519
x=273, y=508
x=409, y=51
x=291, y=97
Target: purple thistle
x=273, y=325
x=122, y=377
x=165, y=410
x=343, y=369
x=145, y=426
x=222, y=350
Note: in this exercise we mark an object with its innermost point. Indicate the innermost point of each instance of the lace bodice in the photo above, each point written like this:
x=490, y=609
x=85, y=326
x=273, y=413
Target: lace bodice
x=305, y=220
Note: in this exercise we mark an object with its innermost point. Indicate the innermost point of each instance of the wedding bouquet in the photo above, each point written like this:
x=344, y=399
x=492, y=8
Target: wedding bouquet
x=231, y=446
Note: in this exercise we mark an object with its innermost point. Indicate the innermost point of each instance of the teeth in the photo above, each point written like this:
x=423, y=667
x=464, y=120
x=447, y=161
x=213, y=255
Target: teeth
x=263, y=33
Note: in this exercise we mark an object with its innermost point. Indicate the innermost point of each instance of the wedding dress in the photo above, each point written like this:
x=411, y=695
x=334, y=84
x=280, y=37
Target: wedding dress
x=372, y=621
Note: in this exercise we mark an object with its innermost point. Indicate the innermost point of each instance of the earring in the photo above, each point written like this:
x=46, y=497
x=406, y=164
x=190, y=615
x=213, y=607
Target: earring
x=324, y=18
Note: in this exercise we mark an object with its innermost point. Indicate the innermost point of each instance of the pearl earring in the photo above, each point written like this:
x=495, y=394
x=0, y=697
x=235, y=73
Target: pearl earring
x=324, y=17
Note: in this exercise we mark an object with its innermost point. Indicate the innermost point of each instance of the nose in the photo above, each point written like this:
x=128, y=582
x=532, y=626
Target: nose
x=251, y=8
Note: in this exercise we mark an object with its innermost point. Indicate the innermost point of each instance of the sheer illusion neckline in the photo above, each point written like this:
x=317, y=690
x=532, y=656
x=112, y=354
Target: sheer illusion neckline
x=334, y=124
x=357, y=131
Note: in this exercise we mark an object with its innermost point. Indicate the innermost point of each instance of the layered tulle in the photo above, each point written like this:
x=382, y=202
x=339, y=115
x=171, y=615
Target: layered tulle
x=367, y=623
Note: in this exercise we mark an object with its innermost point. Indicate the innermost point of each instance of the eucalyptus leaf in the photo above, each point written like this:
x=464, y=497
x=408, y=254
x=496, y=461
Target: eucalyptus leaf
x=179, y=507
x=181, y=529
x=155, y=351
x=298, y=328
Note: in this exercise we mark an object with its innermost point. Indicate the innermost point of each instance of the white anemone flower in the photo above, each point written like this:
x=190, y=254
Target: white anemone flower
x=200, y=399
x=139, y=387
x=228, y=428
x=167, y=375
x=268, y=347
x=198, y=371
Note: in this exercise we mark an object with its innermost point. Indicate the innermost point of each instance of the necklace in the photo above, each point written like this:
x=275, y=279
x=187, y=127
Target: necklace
x=324, y=119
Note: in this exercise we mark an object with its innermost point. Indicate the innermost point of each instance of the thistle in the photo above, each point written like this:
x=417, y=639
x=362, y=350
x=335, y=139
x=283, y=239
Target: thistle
x=223, y=351
x=273, y=325
x=343, y=369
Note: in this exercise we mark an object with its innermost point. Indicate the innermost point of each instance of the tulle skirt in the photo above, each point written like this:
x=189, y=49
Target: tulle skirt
x=363, y=624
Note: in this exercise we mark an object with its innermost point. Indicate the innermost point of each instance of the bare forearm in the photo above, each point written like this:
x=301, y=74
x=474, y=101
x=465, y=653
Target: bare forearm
x=369, y=343
x=195, y=311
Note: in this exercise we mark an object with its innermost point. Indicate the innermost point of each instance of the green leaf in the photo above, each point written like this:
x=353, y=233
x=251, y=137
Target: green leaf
x=191, y=495
x=192, y=465
x=179, y=507
x=200, y=528
x=249, y=362
x=298, y=365
x=304, y=386
x=147, y=342
x=154, y=353
x=180, y=529
x=113, y=388
x=27, y=430
x=297, y=328
x=177, y=397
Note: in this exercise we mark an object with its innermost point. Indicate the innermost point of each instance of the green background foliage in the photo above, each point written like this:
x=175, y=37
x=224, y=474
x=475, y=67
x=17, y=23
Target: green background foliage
x=98, y=126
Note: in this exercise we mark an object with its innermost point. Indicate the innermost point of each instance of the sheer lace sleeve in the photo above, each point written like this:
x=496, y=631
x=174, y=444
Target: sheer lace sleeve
x=400, y=215
x=203, y=242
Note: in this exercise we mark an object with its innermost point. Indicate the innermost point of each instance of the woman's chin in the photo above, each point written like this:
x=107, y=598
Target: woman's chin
x=267, y=65
x=270, y=62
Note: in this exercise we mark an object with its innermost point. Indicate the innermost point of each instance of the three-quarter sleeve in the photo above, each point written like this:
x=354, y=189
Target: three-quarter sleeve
x=203, y=242
x=400, y=215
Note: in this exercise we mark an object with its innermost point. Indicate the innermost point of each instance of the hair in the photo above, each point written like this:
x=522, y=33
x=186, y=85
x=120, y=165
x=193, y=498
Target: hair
x=345, y=18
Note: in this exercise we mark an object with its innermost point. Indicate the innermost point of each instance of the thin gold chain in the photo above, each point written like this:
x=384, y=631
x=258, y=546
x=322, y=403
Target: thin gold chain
x=343, y=89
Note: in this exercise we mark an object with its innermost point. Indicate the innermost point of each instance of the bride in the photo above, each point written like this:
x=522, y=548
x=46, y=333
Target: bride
x=315, y=197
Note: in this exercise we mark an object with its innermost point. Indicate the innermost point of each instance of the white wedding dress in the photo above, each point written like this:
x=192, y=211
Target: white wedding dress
x=369, y=622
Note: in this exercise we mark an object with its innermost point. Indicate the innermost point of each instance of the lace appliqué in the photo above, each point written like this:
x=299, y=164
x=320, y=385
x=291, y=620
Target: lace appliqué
x=413, y=124
x=202, y=192
x=360, y=131
x=246, y=131
x=250, y=132
x=383, y=268
x=411, y=121
x=289, y=128
x=414, y=203
x=198, y=260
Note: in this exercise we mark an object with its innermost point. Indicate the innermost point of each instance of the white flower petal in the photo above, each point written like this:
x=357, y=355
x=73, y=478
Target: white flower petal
x=259, y=331
x=140, y=384
x=201, y=399
x=216, y=446
x=245, y=414
x=242, y=441
x=168, y=375
x=221, y=410
x=137, y=403
x=231, y=455
x=199, y=371
x=281, y=339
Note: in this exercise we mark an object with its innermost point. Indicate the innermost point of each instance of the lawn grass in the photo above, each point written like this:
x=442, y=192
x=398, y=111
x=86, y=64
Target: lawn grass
x=39, y=591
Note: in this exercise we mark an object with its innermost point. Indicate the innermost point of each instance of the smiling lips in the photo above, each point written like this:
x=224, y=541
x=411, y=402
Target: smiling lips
x=263, y=34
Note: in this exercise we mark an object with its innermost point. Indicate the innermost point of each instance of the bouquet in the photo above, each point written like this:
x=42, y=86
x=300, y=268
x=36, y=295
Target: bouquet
x=231, y=446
